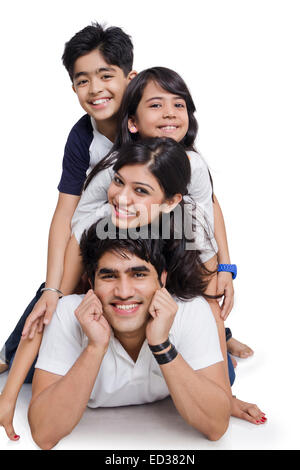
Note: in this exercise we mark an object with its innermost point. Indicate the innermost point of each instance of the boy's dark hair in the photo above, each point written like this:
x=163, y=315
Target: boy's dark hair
x=115, y=46
x=92, y=248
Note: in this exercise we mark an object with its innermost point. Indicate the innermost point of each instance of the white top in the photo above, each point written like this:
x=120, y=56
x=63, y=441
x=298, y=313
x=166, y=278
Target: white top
x=121, y=381
x=93, y=205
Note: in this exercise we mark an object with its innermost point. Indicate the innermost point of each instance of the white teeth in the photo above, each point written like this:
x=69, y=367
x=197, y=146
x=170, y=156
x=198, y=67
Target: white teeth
x=103, y=100
x=126, y=307
x=168, y=127
x=125, y=212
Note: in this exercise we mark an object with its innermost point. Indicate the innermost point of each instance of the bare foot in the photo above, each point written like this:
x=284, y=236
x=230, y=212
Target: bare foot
x=247, y=411
x=238, y=349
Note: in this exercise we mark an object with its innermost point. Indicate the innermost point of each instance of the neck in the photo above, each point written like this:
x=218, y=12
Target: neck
x=108, y=128
x=132, y=341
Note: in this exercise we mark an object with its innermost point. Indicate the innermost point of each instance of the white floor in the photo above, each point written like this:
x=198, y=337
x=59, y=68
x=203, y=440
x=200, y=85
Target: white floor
x=158, y=425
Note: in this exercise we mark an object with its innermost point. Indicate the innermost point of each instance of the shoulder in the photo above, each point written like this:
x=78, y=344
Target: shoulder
x=196, y=160
x=193, y=313
x=82, y=131
x=66, y=308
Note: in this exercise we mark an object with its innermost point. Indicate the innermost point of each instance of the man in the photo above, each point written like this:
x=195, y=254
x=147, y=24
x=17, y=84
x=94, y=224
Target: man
x=127, y=312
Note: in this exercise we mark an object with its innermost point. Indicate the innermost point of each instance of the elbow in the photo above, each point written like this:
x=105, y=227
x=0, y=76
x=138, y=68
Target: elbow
x=219, y=425
x=41, y=437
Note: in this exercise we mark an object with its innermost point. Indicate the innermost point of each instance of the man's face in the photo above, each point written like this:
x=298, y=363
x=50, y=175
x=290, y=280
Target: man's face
x=99, y=86
x=125, y=287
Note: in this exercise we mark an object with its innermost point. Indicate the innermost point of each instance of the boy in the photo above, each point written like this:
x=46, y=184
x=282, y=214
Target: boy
x=99, y=62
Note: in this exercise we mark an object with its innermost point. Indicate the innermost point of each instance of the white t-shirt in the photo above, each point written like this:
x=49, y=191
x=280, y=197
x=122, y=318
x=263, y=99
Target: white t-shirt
x=93, y=205
x=121, y=381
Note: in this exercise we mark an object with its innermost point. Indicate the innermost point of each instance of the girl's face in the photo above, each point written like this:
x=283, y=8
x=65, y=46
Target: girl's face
x=136, y=197
x=160, y=114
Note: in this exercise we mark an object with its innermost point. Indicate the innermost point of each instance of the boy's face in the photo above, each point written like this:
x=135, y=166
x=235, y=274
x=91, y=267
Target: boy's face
x=125, y=287
x=99, y=86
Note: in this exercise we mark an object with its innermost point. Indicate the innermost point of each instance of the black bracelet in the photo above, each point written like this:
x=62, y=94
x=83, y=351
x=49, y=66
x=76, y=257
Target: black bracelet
x=166, y=357
x=160, y=347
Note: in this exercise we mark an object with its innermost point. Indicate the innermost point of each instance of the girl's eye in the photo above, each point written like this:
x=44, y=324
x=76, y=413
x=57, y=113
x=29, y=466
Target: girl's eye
x=180, y=105
x=155, y=105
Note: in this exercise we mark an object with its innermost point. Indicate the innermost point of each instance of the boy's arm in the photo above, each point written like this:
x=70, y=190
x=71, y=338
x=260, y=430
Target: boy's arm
x=224, y=284
x=59, y=236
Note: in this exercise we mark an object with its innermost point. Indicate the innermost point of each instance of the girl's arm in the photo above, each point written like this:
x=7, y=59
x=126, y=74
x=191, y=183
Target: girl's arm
x=59, y=235
x=224, y=280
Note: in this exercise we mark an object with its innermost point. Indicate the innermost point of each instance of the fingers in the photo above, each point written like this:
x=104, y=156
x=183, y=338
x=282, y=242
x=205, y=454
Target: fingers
x=31, y=319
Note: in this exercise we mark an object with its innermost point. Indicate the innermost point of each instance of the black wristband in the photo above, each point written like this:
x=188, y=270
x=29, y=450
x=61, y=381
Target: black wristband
x=166, y=357
x=159, y=347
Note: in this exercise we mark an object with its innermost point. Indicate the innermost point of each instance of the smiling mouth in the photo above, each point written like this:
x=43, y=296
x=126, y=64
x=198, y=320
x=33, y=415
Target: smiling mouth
x=125, y=309
x=124, y=213
x=100, y=101
x=168, y=128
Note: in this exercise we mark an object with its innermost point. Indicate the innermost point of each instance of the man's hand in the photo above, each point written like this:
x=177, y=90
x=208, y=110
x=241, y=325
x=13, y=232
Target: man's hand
x=162, y=309
x=225, y=287
x=41, y=314
x=93, y=323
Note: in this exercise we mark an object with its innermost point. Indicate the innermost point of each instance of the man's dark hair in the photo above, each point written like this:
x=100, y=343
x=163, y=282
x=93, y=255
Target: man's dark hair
x=113, y=43
x=187, y=276
x=92, y=248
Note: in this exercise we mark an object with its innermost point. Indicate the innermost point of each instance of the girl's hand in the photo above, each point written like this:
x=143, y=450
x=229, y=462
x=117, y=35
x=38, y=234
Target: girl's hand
x=41, y=314
x=7, y=410
x=225, y=288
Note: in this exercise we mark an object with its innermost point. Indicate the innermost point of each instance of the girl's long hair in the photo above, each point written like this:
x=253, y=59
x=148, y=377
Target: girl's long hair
x=169, y=81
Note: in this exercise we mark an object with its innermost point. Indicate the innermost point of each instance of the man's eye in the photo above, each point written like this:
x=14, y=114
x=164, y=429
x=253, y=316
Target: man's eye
x=106, y=77
x=108, y=276
x=139, y=275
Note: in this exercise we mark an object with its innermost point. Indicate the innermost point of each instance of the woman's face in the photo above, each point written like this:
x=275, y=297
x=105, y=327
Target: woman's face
x=136, y=197
x=160, y=114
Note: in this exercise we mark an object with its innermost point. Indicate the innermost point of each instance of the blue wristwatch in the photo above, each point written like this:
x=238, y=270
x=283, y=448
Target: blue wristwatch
x=229, y=268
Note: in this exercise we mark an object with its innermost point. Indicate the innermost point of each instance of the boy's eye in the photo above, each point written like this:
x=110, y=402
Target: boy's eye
x=82, y=82
x=106, y=77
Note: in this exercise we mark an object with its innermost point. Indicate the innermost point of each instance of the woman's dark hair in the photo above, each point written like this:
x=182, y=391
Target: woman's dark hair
x=165, y=159
x=169, y=81
x=112, y=42
x=187, y=277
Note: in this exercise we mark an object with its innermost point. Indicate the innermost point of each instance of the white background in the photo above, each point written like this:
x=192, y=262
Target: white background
x=240, y=60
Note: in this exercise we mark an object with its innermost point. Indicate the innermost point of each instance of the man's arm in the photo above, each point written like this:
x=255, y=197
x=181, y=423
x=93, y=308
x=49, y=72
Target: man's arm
x=199, y=396
x=58, y=402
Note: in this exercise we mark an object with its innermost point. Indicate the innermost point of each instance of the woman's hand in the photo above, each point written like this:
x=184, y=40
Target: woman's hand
x=7, y=410
x=225, y=288
x=41, y=314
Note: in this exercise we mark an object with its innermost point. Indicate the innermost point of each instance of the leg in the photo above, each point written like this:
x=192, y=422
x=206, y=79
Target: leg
x=12, y=342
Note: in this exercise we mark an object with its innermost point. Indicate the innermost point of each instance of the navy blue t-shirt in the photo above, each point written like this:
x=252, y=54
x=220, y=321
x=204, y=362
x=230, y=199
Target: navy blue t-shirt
x=85, y=147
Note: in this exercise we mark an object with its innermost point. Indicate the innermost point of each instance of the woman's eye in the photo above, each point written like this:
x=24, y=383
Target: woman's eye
x=117, y=180
x=141, y=191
